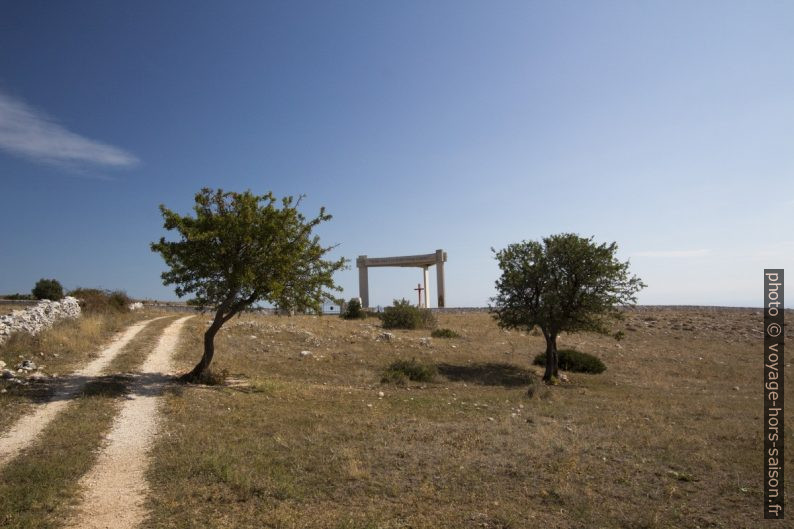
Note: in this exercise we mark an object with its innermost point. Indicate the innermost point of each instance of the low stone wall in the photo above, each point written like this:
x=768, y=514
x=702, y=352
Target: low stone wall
x=35, y=319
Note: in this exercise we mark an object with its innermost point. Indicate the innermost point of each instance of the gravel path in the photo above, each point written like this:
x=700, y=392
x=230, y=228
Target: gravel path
x=29, y=426
x=115, y=488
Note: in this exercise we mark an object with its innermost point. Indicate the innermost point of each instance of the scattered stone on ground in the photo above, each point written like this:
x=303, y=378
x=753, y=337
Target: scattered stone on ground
x=27, y=365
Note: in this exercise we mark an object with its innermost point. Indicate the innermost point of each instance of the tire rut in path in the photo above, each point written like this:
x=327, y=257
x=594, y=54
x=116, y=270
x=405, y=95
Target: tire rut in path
x=29, y=426
x=115, y=488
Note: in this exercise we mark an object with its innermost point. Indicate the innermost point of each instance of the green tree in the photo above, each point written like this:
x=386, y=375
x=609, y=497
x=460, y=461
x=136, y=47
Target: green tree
x=239, y=249
x=48, y=289
x=565, y=283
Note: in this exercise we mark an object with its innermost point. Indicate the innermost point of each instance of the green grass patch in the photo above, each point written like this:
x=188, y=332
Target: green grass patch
x=444, y=333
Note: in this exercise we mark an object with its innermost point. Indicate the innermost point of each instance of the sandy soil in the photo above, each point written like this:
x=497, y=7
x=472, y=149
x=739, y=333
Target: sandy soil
x=116, y=487
x=29, y=426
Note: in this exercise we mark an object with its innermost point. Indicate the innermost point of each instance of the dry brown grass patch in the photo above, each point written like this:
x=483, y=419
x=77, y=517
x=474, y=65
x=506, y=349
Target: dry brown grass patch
x=661, y=439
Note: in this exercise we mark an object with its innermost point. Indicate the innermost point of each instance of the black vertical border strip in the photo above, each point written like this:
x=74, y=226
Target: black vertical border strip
x=774, y=365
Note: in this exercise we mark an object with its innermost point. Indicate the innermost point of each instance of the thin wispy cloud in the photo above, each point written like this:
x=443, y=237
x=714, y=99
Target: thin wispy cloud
x=673, y=253
x=28, y=132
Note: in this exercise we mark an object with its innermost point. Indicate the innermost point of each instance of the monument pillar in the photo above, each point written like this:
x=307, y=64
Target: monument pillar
x=426, y=274
x=363, y=281
x=440, y=258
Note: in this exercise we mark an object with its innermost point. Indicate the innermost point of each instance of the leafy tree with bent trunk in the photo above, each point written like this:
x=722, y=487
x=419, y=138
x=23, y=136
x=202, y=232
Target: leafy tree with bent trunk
x=239, y=249
x=566, y=283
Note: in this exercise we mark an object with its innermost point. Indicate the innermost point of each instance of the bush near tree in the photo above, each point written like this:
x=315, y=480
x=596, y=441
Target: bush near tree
x=576, y=361
x=48, y=289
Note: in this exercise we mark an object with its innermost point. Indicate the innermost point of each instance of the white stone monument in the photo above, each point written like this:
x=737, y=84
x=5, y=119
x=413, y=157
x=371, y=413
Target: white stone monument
x=420, y=261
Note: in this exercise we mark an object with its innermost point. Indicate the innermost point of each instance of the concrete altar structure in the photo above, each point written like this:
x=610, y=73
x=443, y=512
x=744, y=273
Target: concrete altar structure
x=420, y=261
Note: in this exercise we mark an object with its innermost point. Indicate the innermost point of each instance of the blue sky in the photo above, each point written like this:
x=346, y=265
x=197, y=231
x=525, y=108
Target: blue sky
x=664, y=126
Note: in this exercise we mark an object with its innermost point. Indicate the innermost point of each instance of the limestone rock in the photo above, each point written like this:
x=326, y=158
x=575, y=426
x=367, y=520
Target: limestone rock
x=27, y=365
x=385, y=337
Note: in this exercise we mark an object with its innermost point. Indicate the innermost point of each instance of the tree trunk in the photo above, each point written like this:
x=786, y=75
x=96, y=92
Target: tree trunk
x=551, y=358
x=209, y=350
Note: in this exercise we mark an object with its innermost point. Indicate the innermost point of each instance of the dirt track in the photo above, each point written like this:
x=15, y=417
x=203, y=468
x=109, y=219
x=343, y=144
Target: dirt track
x=116, y=487
x=28, y=427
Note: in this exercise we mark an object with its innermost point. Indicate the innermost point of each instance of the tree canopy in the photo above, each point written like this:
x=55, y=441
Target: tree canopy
x=238, y=249
x=565, y=283
x=48, y=289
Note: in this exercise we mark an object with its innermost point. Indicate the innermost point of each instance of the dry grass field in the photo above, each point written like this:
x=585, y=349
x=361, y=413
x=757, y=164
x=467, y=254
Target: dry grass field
x=668, y=437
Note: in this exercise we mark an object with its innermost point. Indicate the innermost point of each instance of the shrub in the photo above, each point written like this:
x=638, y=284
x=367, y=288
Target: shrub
x=403, y=315
x=571, y=360
x=101, y=301
x=48, y=289
x=402, y=370
x=444, y=333
x=18, y=297
x=353, y=310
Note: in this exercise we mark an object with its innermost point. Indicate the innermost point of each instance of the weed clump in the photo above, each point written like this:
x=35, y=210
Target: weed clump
x=576, y=361
x=444, y=333
x=402, y=371
x=536, y=388
x=403, y=315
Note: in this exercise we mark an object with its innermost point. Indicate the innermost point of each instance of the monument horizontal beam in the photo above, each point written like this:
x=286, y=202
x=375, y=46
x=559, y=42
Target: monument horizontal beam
x=428, y=259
